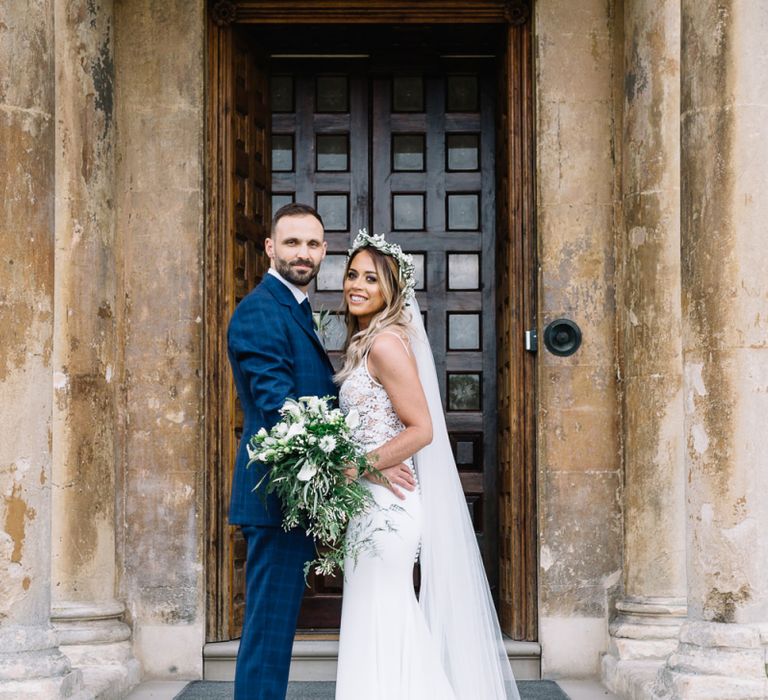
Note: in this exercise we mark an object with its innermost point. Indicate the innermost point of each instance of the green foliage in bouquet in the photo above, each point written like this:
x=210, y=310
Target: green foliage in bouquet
x=308, y=453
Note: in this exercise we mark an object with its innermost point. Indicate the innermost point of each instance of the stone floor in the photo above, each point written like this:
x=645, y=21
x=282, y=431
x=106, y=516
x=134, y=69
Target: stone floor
x=196, y=690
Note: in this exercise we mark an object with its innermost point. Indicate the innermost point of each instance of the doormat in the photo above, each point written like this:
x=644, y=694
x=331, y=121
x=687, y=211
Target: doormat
x=221, y=690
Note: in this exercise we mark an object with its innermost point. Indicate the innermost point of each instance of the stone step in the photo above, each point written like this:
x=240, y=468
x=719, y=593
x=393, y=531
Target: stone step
x=315, y=659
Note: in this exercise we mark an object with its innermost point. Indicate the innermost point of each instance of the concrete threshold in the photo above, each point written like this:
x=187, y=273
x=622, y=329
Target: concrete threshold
x=585, y=689
x=314, y=659
x=157, y=690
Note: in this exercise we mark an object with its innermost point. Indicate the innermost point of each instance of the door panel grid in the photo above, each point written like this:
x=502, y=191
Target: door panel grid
x=454, y=235
x=328, y=131
x=381, y=152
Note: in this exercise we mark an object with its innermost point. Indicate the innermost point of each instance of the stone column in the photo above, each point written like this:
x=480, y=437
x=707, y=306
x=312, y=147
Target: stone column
x=160, y=195
x=645, y=628
x=724, y=165
x=31, y=665
x=85, y=613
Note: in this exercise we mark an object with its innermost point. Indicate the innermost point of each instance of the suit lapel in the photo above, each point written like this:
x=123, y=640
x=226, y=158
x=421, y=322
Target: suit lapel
x=283, y=295
x=308, y=328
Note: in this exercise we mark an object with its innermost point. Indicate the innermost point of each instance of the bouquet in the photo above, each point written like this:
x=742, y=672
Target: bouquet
x=309, y=454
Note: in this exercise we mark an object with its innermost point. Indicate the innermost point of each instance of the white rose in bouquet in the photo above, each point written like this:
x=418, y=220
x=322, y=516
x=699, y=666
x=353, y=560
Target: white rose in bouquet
x=307, y=471
x=291, y=408
x=294, y=431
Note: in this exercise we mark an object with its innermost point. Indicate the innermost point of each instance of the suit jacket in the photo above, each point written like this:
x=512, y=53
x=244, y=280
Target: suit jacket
x=275, y=354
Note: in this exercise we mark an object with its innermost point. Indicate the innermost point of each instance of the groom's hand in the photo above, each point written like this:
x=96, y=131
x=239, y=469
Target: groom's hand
x=399, y=477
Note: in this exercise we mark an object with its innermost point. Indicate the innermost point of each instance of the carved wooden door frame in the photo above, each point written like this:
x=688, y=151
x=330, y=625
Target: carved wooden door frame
x=515, y=279
x=218, y=218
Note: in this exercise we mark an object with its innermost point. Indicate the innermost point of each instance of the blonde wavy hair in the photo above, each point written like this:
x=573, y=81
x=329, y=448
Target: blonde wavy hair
x=392, y=316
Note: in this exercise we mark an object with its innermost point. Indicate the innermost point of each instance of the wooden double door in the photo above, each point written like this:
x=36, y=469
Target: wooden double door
x=417, y=148
x=408, y=153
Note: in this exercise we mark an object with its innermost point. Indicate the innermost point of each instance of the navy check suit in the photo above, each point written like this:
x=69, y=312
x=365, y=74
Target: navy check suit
x=275, y=354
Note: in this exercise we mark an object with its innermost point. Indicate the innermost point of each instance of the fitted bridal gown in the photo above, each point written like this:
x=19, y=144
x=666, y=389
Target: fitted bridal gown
x=386, y=651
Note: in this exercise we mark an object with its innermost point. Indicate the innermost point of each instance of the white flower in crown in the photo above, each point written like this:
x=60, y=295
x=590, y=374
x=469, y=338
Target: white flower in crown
x=404, y=260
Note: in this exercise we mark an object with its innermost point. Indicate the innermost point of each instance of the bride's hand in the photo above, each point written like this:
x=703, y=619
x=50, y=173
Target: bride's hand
x=397, y=477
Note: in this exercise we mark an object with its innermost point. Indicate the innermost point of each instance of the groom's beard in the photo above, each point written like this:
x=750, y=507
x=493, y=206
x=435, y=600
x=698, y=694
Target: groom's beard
x=301, y=278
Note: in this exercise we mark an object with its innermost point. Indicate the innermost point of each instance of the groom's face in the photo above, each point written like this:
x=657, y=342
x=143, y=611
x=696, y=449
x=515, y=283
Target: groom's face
x=297, y=248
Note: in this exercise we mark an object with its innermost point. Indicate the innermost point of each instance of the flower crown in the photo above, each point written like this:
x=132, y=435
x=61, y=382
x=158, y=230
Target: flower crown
x=404, y=260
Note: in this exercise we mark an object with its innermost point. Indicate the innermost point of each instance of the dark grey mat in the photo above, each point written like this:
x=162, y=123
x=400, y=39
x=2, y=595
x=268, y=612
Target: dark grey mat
x=216, y=690
x=540, y=690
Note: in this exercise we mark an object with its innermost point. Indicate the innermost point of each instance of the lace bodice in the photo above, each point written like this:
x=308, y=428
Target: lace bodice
x=379, y=422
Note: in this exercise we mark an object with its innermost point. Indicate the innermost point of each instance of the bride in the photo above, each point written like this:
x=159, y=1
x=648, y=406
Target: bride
x=447, y=644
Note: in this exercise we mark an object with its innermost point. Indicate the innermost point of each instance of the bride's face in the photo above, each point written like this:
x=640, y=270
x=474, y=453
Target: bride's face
x=362, y=290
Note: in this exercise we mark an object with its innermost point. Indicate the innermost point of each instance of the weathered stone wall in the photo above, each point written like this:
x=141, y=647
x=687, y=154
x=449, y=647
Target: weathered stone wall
x=160, y=224
x=125, y=353
x=578, y=446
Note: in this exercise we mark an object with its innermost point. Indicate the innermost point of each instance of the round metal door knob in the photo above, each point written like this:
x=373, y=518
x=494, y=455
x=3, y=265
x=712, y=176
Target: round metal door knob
x=562, y=337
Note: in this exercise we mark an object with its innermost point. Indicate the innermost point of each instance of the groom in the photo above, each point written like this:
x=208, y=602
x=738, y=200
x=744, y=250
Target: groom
x=275, y=354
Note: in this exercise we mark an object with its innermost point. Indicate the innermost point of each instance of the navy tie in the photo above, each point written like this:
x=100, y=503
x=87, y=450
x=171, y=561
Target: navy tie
x=306, y=309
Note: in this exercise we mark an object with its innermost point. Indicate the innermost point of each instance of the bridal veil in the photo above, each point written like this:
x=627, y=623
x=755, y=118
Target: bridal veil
x=455, y=596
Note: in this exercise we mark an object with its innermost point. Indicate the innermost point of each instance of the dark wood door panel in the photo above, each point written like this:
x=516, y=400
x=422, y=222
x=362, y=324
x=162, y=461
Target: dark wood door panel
x=308, y=179
x=250, y=120
x=338, y=144
x=433, y=193
x=238, y=224
x=516, y=285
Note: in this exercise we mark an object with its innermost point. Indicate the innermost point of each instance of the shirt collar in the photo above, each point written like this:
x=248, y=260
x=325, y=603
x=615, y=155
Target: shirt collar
x=297, y=293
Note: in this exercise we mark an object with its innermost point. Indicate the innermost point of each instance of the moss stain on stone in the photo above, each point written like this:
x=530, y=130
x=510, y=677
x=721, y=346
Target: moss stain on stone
x=720, y=606
x=636, y=77
x=103, y=74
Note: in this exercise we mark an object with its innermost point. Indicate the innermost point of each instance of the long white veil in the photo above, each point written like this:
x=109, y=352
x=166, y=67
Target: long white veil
x=455, y=595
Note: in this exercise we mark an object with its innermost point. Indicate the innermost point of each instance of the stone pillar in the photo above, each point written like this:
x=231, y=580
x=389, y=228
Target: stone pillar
x=85, y=613
x=160, y=195
x=31, y=665
x=724, y=166
x=645, y=628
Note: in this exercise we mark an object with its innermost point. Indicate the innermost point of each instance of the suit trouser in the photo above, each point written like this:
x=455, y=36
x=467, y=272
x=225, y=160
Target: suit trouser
x=274, y=580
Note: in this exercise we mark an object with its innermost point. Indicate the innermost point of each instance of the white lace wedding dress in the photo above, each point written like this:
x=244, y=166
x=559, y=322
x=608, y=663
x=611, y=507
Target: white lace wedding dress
x=386, y=651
